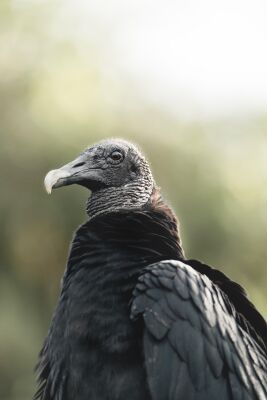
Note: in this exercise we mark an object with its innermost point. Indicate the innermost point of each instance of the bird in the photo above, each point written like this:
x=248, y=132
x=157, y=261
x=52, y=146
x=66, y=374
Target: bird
x=135, y=318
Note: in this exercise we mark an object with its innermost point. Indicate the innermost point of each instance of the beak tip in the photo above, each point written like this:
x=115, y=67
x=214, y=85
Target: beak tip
x=49, y=181
x=48, y=191
x=53, y=179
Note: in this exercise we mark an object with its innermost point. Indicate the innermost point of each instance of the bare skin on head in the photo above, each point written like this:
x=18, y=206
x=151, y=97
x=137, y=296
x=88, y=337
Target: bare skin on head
x=135, y=319
x=114, y=170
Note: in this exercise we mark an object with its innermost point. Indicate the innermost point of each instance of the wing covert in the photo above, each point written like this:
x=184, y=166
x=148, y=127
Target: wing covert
x=194, y=347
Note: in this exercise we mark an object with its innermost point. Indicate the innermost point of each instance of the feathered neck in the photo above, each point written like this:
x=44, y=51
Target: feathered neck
x=154, y=222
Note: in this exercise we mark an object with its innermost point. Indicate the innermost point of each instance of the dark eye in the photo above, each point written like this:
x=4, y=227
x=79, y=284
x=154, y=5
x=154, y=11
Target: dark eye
x=116, y=156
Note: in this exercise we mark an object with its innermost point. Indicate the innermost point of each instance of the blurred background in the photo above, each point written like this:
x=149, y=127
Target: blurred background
x=186, y=80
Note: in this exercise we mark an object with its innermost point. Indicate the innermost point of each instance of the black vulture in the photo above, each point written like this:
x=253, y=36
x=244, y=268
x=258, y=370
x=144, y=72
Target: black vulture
x=135, y=319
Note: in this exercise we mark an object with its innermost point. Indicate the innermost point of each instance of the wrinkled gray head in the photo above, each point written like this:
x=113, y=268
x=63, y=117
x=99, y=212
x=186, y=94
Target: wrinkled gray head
x=114, y=170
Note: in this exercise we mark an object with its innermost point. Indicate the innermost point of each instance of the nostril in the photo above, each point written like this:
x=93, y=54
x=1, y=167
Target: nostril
x=78, y=165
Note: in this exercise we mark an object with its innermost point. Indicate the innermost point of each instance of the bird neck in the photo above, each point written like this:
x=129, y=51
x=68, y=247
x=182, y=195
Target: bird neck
x=154, y=223
x=132, y=196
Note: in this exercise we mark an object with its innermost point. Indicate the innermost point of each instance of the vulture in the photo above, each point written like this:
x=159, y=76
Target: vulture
x=135, y=318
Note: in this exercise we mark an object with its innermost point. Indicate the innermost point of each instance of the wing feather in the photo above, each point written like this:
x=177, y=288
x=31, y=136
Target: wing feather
x=194, y=346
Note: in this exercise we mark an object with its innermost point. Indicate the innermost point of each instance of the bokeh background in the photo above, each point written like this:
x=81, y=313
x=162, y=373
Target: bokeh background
x=186, y=80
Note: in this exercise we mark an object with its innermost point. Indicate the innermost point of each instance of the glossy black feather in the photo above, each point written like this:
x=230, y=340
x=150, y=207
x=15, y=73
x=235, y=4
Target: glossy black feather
x=225, y=364
x=193, y=332
x=93, y=350
x=248, y=315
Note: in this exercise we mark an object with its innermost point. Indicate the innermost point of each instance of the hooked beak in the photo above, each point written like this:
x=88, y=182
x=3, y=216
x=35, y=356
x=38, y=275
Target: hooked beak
x=55, y=178
x=83, y=171
x=66, y=175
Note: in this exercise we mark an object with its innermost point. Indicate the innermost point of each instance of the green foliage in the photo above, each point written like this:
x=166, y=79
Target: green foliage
x=55, y=100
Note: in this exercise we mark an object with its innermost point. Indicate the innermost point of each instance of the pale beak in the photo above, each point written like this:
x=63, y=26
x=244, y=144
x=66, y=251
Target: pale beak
x=54, y=177
x=81, y=171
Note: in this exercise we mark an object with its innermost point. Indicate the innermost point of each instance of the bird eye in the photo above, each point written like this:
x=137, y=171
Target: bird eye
x=116, y=156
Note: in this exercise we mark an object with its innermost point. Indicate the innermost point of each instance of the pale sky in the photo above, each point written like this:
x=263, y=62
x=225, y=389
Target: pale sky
x=205, y=57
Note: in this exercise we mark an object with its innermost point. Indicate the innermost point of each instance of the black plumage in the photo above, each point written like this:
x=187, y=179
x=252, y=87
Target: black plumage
x=135, y=319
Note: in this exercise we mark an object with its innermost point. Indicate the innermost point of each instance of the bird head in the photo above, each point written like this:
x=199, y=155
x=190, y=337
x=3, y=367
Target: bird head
x=114, y=170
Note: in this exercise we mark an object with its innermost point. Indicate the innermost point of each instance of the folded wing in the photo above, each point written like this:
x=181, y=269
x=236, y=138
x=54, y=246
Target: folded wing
x=194, y=345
